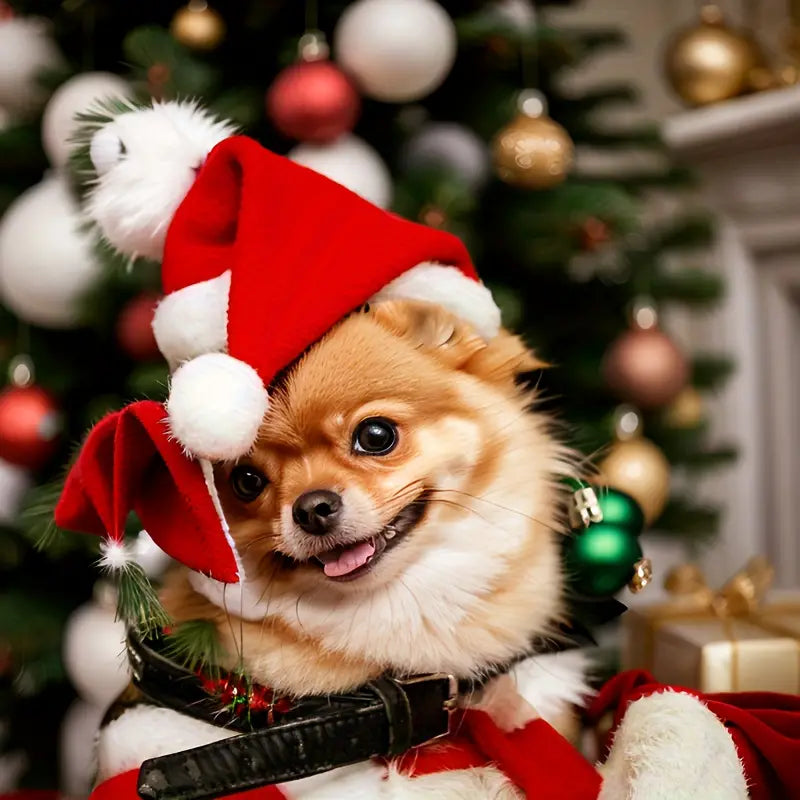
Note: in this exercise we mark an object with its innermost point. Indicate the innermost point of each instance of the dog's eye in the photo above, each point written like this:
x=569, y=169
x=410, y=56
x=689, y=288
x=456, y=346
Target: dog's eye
x=375, y=436
x=247, y=482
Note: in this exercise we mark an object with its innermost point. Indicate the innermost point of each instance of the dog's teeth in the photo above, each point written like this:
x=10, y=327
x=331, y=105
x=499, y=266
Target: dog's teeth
x=390, y=533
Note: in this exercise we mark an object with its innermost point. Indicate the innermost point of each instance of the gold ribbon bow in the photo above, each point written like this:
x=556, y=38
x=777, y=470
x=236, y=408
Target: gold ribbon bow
x=741, y=596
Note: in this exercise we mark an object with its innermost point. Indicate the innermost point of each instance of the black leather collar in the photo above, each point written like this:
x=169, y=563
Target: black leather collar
x=282, y=740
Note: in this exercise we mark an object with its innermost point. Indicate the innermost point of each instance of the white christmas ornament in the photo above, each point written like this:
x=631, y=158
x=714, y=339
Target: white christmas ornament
x=14, y=482
x=145, y=160
x=94, y=653
x=79, y=94
x=397, y=50
x=76, y=749
x=26, y=50
x=351, y=162
x=46, y=259
x=450, y=146
x=149, y=556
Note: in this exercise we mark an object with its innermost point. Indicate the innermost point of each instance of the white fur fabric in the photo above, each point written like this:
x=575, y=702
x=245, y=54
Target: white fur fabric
x=448, y=287
x=193, y=320
x=216, y=405
x=144, y=732
x=162, y=147
x=553, y=682
x=669, y=746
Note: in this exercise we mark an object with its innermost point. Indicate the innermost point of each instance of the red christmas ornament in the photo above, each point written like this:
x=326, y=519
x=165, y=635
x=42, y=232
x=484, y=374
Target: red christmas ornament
x=135, y=328
x=643, y=366
x=30, y=424
x=313, y=101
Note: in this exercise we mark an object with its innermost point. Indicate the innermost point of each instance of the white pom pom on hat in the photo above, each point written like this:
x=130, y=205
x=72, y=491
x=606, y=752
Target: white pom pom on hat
x=216, y=406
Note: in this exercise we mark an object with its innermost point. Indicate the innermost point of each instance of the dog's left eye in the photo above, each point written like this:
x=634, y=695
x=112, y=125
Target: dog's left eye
x=247, y=482
x=375, y=436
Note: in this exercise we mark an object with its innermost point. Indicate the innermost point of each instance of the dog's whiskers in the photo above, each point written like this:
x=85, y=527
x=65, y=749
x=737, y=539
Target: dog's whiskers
x=455, y=504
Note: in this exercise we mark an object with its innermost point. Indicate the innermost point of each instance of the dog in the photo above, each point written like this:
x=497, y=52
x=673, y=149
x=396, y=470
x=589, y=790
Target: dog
x=400, y=512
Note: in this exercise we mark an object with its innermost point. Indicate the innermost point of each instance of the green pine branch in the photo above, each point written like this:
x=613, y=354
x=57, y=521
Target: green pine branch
x=647, y=136
x=692, y=286
x=602, y=97
x=706, y=460
x=688, y=232
x=195, y=644
x=684, y=519
x=710, y=371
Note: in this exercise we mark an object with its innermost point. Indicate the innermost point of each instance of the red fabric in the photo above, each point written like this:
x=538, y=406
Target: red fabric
x=765, y=727
x=303, y=251
x=123, y=787
x=541, y=762
x=129, y=462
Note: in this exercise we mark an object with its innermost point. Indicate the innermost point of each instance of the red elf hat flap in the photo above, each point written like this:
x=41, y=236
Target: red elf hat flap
x=86, y=503
x=172, y=498
x=129, y=462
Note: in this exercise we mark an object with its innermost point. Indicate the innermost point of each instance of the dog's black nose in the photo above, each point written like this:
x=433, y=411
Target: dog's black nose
x=318, y=511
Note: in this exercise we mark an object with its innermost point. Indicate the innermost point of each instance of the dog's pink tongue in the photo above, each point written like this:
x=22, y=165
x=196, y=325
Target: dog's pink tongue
x=348, y=560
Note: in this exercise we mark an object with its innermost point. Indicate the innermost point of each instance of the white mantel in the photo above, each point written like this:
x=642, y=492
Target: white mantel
x=747, y=152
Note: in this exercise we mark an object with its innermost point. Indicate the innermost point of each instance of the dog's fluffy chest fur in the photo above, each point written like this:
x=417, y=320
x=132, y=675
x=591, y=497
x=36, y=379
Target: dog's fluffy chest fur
x=548, y=683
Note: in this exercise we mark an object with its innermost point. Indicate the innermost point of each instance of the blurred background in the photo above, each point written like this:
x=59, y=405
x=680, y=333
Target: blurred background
x=624, y=173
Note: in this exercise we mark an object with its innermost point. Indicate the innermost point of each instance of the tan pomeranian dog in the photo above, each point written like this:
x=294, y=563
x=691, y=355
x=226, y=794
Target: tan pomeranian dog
x=400, y=512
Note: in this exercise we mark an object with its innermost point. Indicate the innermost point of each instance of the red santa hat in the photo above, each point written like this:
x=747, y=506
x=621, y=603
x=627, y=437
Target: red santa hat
x=262, y=257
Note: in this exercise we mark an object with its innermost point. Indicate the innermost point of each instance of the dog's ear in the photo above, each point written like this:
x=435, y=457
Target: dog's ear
x=437, y=331
x=503, y=359
x=430, y=328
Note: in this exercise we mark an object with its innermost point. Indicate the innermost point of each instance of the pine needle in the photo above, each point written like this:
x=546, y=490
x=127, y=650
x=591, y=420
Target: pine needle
x=138, y=604
x=195, y=644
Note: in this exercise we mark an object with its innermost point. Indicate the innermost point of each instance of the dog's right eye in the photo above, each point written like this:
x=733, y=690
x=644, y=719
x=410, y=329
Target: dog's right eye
x=247, y=482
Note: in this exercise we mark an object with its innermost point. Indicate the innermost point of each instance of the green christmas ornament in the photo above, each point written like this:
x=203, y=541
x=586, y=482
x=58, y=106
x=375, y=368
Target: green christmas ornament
x=601, y=556
x=620, y=509
x=600, y=560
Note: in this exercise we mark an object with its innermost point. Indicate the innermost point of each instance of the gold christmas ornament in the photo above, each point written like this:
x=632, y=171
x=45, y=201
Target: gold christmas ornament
x=532, y=151
x=709, y=61
x=198, y=26
x=638, y=468
x=686, y=410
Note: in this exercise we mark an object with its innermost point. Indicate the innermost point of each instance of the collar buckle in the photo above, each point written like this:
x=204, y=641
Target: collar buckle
x=422, y=712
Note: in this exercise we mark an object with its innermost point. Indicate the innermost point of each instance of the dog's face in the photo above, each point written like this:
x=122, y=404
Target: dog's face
x=399, y=504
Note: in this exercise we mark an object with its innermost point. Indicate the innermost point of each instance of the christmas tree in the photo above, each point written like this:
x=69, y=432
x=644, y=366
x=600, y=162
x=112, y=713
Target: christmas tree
x=467, y=130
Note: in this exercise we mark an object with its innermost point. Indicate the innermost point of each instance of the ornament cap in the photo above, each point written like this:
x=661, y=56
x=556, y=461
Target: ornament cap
x=711, y=14
x=644, y=315
x=642, y=575
x=313, y=46
x=532, y=103
x=21, y=371
x=627, y=423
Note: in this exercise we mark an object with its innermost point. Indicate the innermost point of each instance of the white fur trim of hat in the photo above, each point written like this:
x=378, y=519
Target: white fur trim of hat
x=217, y=403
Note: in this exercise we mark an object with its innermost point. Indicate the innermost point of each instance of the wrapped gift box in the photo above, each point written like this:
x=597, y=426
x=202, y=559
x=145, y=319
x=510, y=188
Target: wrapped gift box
x=704, y=643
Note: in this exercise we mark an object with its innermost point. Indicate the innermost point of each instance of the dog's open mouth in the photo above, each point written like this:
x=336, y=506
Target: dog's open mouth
x=351, y=561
